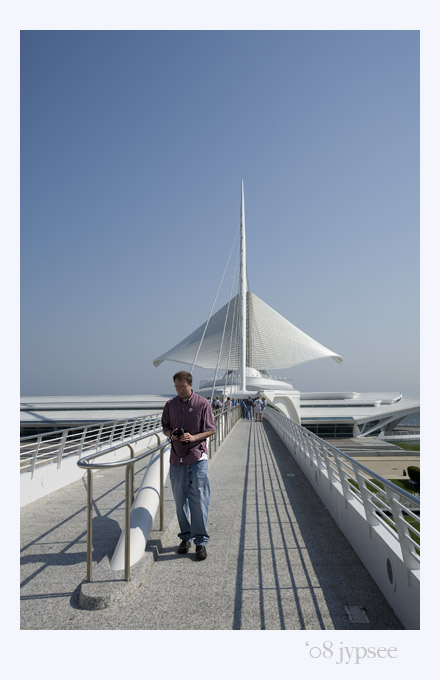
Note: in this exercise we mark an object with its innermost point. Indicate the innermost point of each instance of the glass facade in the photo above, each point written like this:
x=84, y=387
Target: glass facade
x=330, y=430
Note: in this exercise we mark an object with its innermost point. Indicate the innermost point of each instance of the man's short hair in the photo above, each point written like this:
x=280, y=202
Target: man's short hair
x=183, y=375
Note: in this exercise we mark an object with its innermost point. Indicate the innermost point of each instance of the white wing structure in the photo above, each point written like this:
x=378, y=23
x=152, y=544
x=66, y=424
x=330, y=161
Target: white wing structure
x=272, y=341
x=207, y=357
x=247, y=338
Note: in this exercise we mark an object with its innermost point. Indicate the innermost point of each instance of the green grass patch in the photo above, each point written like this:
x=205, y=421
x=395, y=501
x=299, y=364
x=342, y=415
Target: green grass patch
x=405, y=484
x=407, y=446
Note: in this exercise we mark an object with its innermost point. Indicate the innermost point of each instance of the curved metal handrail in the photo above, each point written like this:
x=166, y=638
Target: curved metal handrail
x=83, y=462
x=224, y=420
x=128, y=463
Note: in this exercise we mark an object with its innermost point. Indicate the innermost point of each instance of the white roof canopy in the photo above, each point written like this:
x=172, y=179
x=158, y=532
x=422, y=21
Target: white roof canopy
x=272, y=341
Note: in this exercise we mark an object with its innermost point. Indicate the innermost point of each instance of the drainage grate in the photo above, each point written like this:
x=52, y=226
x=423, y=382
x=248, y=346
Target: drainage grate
x=357, y=614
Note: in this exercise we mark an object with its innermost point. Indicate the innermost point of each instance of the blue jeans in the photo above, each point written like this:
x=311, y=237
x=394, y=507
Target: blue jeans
x=191, y=491
x=249, y=412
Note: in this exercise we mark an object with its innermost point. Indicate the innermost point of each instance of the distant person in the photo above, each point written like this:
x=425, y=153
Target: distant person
x=189, y=461
x=243, y=408
x=263, y=407
x=249, y=406
x=257, y=407
x=228, y=406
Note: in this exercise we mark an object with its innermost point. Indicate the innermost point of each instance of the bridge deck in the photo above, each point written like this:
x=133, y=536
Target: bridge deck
x=276, y=559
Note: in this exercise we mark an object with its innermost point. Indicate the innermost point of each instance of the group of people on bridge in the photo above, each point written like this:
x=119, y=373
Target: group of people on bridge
x=253, y=408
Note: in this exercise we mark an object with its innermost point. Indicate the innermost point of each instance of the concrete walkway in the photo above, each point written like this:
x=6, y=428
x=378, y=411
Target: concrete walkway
x=276, y=559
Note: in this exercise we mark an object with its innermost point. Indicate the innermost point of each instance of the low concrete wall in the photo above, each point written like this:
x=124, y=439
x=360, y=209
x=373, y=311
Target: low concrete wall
x=377, y=548
x=49, y=478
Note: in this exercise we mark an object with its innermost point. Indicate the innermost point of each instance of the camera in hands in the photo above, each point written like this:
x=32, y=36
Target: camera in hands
x=178, y=432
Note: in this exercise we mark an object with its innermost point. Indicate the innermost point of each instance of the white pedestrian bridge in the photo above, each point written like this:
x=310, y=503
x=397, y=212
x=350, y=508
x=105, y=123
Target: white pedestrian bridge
x=302, y=536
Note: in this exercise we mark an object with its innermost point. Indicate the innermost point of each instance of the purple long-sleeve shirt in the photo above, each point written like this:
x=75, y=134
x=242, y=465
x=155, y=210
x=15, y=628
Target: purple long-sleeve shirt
x=195, y=416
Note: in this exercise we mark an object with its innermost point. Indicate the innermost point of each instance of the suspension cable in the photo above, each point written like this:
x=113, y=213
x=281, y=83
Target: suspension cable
x=230, y=344
x=213, y=304
x=223, y=335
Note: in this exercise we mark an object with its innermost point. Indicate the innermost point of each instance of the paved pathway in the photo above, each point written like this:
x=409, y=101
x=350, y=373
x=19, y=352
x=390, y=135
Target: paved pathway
x=276, y=559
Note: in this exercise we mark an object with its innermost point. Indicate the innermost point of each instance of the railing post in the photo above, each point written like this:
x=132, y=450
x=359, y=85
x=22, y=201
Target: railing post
x=372, y=519
x=61, y=449
x=34, y=457
x=142, y=427
x=304, y=444
x=316, y=454
x=131, y=476
x=161, y=487
x=330, y=471
x=98, y=441
x=402, y=528
x=112, y=433
x=348, y=494
x=128, y=494
x=83, y=438
x=89, y=524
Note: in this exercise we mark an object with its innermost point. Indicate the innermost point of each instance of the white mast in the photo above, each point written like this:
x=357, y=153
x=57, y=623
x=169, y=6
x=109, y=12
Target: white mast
x=243, y=291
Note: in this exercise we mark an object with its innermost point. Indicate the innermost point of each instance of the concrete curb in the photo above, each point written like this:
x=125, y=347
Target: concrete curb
x=108, y=588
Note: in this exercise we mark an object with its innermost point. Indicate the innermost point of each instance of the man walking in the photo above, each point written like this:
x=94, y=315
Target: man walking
x=243, y=408
x=249, y=406
x=257, y=406
x=189, y=461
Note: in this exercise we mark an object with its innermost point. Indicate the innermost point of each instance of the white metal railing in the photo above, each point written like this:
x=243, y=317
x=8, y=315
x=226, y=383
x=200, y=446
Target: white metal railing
x=383, y=502
x=50, y=447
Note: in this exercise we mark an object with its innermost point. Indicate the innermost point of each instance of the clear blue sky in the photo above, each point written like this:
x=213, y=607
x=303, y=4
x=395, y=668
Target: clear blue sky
x=133, y=147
